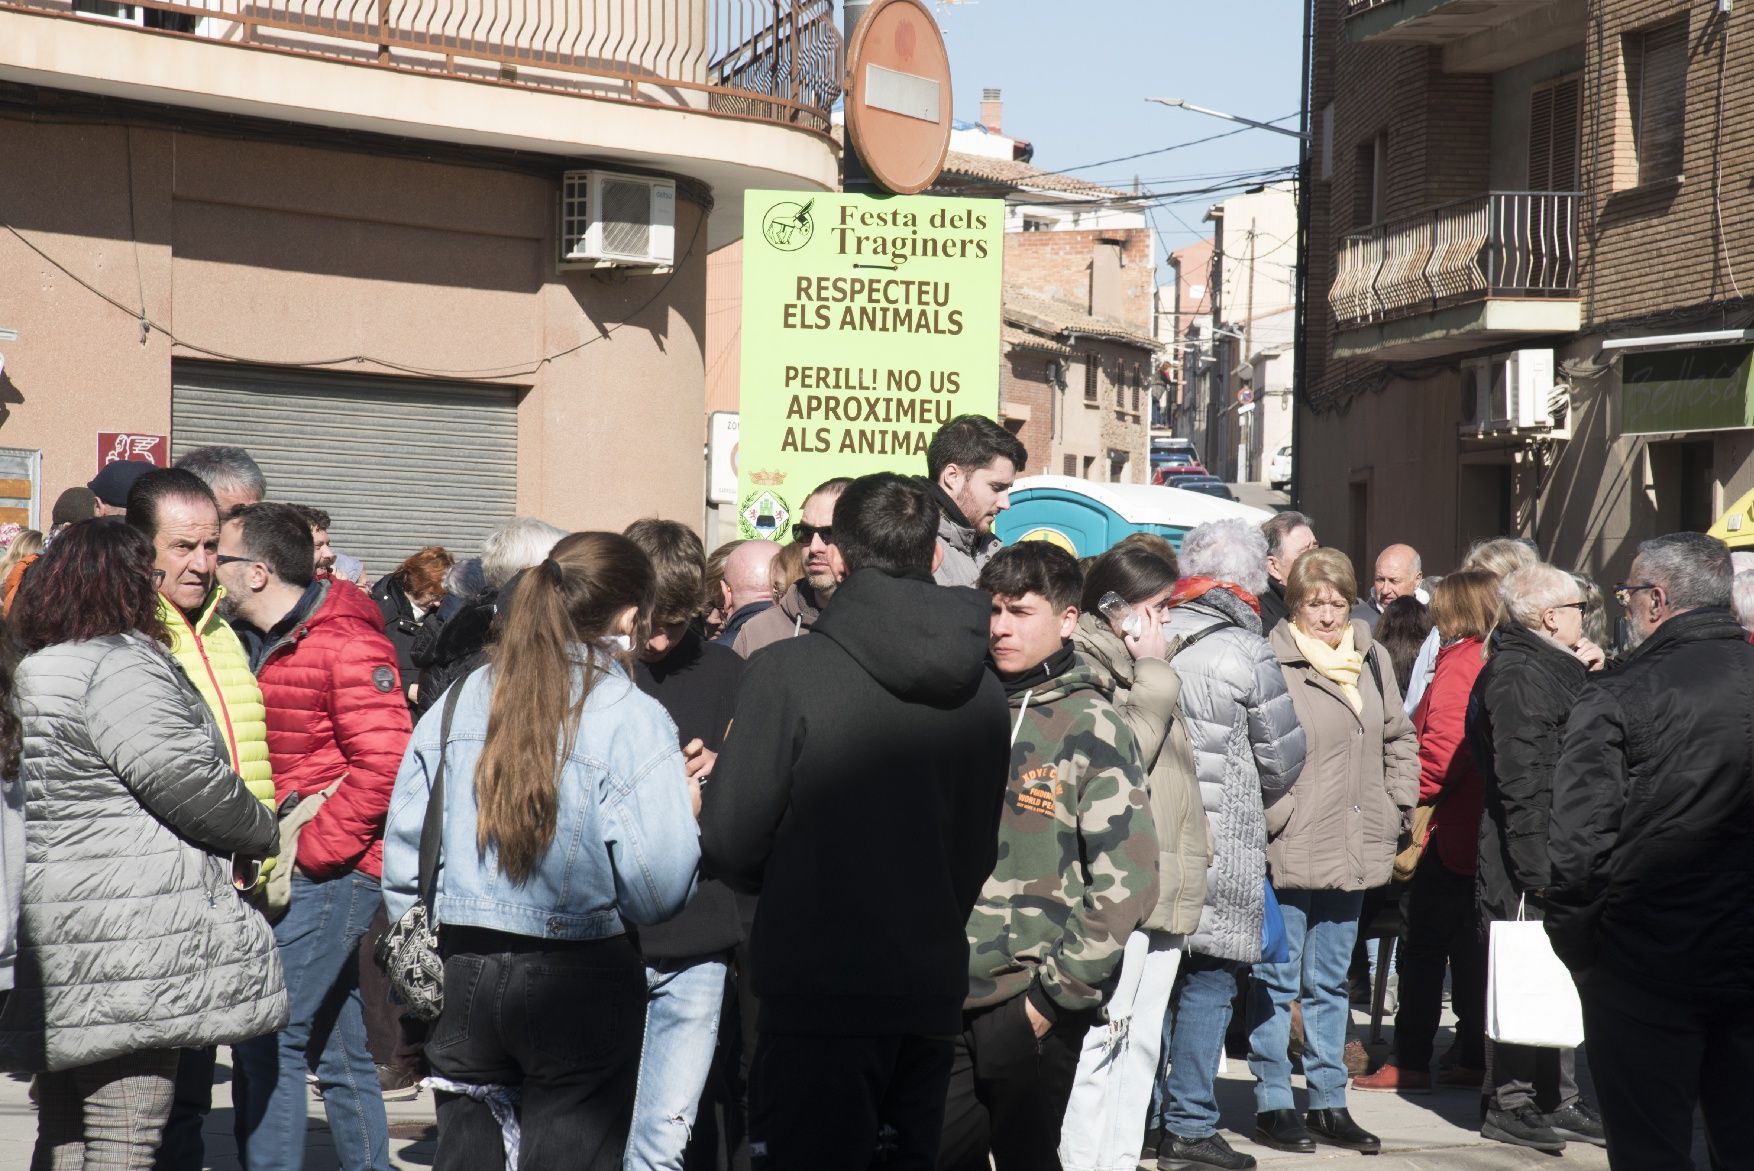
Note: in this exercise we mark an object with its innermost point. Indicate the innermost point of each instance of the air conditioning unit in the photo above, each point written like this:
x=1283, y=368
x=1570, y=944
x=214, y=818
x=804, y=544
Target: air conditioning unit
x=609, y=220
x=1507, y=392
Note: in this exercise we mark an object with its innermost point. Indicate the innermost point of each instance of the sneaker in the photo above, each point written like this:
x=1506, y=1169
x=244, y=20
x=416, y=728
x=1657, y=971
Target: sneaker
x=398, y=1085
x=1185, y=1154
x=1523, y=1127
x=1392, y=1079
x=1461, y=1077
x=1578, y=1121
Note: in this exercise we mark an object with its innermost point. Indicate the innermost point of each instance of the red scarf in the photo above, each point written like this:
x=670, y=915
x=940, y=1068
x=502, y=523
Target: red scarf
x=1190, y=588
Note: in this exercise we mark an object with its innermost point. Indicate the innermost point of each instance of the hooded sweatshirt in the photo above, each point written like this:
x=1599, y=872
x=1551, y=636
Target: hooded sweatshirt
x=796, y=614
x=858, y=792
x=1077, y=866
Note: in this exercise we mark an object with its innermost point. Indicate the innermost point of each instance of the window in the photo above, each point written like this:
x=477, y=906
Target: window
x=1656, y=90
x=1135, y=394
x=1369, y=176
x=1555, y=118
x=1071, y=465
x=1036, y=223
x=1092, y=379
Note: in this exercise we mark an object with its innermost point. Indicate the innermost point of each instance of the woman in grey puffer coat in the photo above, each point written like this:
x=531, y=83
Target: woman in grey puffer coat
x=133, y=943
x=1248, y=751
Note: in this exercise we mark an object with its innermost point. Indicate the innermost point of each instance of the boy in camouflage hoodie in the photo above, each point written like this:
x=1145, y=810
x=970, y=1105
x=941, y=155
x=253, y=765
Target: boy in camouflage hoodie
x=1077, y=873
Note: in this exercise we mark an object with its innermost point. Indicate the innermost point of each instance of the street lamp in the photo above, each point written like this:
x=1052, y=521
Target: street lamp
x=1181, y=105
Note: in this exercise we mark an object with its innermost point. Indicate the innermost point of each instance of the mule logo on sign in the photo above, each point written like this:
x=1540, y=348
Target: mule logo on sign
x=788, y=226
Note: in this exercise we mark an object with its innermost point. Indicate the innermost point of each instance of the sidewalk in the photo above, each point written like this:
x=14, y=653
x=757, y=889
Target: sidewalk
x=1436, y=1131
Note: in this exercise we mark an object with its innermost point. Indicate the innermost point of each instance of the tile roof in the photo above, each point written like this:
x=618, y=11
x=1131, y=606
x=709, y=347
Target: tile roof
x=1009, y=173
x=1022, y=339
x=1059, y=317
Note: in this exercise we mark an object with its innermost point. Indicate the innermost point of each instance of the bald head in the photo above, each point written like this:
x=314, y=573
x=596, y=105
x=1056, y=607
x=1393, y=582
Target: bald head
x=746, y=572
x=1397, y=573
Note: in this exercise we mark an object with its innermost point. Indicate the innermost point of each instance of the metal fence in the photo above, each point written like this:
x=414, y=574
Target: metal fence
x=1503, y=244
x=772, y=60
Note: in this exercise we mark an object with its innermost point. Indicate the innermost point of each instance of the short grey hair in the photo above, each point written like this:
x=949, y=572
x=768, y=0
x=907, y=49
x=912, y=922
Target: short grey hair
x=1501, y=556
x=1742, y=598
x=1692, y=568
x=226, y=469
x=517, y=544
x=1531, y=591
x=1229, y=550
x=1280, y=525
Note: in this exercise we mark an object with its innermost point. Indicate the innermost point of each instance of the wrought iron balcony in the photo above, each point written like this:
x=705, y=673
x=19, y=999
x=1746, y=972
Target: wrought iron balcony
x=1505, y=244
x=770, y=60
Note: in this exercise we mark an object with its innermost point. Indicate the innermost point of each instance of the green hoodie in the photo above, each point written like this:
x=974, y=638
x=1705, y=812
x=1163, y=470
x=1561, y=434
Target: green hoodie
x=1077, y=868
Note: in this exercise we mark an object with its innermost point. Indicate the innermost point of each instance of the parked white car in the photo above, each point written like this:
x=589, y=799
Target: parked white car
x=1279, y=471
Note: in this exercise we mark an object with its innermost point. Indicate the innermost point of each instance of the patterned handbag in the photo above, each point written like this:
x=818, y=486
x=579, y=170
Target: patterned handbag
x=408, y=951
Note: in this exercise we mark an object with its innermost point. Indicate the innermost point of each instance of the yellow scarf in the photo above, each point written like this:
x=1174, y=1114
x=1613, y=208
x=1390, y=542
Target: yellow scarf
x=1340, y=665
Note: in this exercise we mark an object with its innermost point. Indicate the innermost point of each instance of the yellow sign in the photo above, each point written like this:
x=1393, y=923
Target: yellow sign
x=868, y=323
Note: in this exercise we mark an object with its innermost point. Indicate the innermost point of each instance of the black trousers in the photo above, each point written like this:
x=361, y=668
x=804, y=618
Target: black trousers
x=183, y=1147
x=1655, y=1060
x=847, y=1103
x=1440, y=928
x=562, y=1021
x=1008, y=1091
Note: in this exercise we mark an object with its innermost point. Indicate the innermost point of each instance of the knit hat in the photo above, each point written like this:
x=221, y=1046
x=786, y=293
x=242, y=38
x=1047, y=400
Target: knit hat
x=113, y=484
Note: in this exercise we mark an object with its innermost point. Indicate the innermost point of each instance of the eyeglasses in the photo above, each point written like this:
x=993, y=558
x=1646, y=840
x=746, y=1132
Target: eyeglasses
x=1624, y=591
x=1580, y=607
x=802, y=533
x=228, y=559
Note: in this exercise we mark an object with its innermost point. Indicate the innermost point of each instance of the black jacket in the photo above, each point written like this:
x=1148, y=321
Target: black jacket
x=859, y=792
x=1273, y=607
x=1652, y=835
x=400, y=624
x=697, y=685
x=446, y=652
x=1516, y=714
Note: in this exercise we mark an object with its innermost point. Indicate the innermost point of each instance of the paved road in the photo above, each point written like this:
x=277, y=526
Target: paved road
x=1439, y=1131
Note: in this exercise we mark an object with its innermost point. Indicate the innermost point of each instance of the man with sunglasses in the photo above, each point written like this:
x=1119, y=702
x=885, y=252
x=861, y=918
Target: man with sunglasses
x=801, y=605
x=1651, y=845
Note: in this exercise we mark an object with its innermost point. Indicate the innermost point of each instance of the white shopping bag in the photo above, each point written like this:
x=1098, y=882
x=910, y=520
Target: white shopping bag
x=1530, y=996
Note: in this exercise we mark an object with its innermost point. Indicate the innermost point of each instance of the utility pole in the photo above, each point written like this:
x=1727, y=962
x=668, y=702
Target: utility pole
x=1247, y=434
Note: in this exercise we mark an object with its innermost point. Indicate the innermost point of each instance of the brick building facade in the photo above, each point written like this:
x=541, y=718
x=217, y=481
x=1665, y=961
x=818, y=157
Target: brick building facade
x=1523, y=217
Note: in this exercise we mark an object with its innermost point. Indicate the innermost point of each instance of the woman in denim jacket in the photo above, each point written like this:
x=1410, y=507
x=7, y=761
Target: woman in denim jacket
x=567, y=817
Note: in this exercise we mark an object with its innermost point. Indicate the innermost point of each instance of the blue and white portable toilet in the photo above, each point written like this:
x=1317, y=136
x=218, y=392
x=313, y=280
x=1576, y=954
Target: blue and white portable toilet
x=1088, y=518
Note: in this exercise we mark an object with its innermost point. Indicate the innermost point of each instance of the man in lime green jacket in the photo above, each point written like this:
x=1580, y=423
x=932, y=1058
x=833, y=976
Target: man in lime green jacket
x=178, y=511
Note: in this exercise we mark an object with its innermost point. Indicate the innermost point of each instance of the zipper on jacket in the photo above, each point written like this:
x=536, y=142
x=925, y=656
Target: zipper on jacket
x=231, y=738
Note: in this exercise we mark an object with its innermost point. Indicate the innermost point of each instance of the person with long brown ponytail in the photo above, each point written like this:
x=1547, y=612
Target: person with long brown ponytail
x=567, y=818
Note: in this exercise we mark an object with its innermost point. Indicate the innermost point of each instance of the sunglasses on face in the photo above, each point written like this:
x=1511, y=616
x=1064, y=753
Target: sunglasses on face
x=802, y=533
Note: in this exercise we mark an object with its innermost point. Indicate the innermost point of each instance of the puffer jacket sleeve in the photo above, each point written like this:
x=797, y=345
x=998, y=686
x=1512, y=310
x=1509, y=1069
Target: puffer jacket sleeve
x=1525, y=740
x=1150, y=707
x=145, y=725
x=1275, y=736
x=1590, y=789
x=654, y=846
x=372, y=729
x=1119, y=845
x=1400, y=743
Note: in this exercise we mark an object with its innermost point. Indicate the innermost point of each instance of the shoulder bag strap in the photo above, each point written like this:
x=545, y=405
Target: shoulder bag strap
x=1375, y=670
x=432, y=830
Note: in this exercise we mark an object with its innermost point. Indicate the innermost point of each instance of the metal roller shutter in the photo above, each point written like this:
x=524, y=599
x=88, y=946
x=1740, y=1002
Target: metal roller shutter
x=397, y=464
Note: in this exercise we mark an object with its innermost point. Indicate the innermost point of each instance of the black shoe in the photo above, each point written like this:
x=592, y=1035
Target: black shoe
x=1283, y=1131
x=1577, y=1122
x=1153, y=1140
x=1523, y=1127
x=1191, y=1154
x=1336, y=1127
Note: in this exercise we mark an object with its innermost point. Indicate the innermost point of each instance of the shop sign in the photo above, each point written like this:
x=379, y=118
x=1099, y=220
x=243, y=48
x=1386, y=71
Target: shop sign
x=114, y=446
x=1671, y=391
x=868, y=323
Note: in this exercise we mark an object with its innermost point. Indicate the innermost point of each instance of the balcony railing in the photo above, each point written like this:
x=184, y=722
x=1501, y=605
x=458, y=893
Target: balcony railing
x=1503, y=244
x=771, y=60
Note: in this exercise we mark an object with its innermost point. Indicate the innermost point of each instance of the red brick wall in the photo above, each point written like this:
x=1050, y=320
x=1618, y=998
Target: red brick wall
x=1025, y=382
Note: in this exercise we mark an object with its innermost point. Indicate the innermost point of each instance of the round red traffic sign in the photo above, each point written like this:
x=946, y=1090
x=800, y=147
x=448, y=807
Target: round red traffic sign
x=898, y=95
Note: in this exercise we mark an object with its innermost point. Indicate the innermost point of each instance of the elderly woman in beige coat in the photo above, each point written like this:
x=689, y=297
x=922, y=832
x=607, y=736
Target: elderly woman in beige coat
x=1333, y=836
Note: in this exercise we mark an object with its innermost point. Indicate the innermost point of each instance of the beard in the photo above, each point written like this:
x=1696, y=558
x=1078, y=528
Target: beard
x=228, y=609
x=1635, y=634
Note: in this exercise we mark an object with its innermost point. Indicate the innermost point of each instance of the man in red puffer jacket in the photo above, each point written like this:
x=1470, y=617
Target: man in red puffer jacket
x=337, y=729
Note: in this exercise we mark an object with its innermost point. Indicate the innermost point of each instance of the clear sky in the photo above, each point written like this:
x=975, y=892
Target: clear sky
x=1076, y=73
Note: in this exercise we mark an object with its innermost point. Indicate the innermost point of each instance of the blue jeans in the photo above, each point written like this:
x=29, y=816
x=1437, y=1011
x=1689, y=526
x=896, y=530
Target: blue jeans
x=683, y=999
x=1322, y=926
x=319, y=949
x=1193, y=1040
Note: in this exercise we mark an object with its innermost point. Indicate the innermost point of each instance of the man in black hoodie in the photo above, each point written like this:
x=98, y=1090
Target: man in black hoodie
x=859, y=792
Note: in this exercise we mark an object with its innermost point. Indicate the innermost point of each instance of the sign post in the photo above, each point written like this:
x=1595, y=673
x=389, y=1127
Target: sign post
x=868, y=323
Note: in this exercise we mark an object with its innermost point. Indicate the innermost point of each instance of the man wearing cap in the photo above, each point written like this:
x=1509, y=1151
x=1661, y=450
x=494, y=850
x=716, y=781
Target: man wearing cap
x=73, y=505
x=112, y=485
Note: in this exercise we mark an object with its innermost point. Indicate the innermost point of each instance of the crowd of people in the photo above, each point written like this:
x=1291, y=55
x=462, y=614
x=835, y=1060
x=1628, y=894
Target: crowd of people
x=882, y=846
